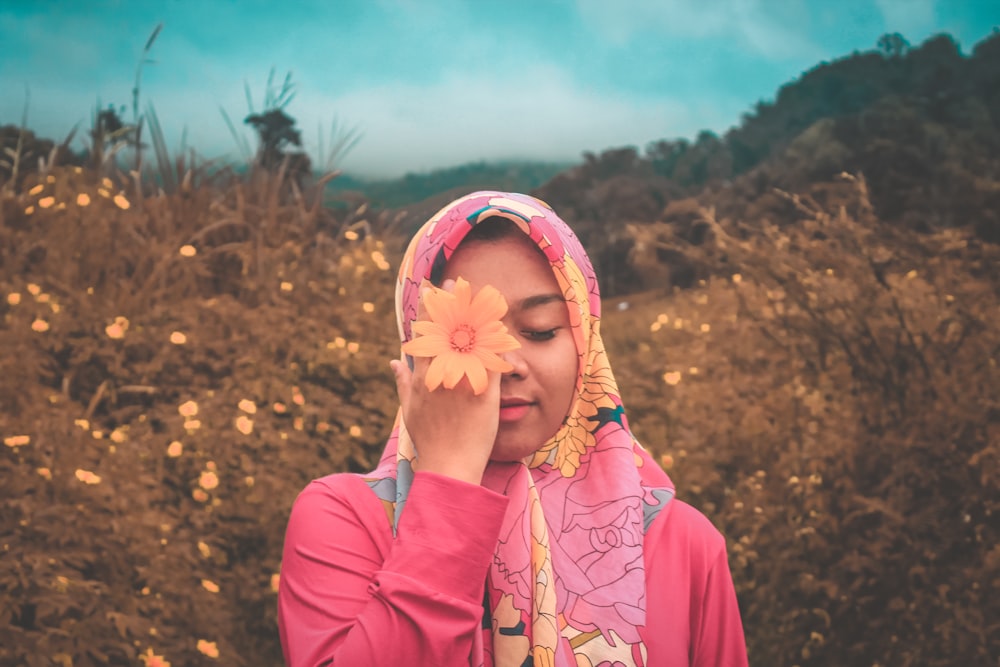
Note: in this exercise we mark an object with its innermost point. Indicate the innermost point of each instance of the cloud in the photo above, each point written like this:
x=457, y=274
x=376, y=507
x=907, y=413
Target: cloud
x=911, y=18
x=466, y=117
x=761, y=28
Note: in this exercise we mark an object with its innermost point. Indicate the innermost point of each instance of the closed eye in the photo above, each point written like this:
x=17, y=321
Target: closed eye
x=546, y=334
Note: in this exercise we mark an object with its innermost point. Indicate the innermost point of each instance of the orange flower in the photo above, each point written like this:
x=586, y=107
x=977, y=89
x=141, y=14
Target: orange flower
x=151, y=659
x=211, y=649
x=464, y=336
x=208, y=480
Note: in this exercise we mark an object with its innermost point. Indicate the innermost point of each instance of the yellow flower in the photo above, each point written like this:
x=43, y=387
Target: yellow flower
x=199, y=495
x=204, y=549
x=464, y=336
x=188, y=251
x=275, y=581
x=208, y=648
x=150, y=659
x=210, y=585
x=189, y=409
x=17, y=440
x=44, y=472
x=244, y=425
x=208, y=480
x=672, y=377
x=178, y=338
x=40, y=325
x=87, y=477
x=248, y=406
x=175, y=449
x=83, y=199
x=121, y=202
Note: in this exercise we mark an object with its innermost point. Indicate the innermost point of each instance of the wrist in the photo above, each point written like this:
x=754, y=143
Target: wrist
x=463, y=471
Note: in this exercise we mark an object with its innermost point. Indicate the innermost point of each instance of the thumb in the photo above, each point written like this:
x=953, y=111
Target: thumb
x=404, y=376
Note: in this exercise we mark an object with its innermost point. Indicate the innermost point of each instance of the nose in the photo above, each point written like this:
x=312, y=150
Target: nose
x=515, y=359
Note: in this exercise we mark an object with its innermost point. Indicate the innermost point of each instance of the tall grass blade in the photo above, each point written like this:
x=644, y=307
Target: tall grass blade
x=165, y=169
x=240, y=140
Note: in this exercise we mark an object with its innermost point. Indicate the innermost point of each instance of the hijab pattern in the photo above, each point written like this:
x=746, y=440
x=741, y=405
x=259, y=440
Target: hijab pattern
x=567, y=582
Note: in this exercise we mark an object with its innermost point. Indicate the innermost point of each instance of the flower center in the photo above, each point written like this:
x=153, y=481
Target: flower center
x=463, y=338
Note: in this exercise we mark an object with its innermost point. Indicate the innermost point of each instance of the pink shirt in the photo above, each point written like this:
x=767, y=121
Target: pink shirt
x=350, y=594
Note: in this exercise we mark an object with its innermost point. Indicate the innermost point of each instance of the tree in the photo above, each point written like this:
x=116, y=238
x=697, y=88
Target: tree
x=893, y=45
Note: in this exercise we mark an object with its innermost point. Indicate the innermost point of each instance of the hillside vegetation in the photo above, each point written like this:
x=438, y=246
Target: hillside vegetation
x=811, y=355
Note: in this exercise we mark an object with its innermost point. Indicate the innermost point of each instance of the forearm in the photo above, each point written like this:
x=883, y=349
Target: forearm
x=354, y=595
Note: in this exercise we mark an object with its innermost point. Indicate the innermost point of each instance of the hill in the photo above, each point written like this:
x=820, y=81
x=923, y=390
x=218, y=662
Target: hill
x=178, y=363
x=510, y=176
x=922, y=125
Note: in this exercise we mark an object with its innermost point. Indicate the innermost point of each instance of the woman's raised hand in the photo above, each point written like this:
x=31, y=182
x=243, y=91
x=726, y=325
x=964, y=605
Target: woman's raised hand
x=453, y=430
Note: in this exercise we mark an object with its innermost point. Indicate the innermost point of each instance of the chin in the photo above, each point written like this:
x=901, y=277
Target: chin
x=511, y=449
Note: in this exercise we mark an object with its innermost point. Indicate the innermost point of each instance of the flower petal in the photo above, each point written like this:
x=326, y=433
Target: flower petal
x=440, y=307
x=463, y=294
x=487, y=306
x=426, y=346
x=477, y=376
x=435, y=373
x=454, y=369
x=492, y=362
x=496, y=342
x=428, y=328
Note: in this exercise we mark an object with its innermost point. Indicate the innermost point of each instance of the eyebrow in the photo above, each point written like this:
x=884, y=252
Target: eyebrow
x=539, y=300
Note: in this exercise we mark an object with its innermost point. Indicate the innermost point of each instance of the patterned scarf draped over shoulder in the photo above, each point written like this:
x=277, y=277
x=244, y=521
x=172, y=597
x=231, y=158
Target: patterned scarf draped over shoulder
x=567, y=582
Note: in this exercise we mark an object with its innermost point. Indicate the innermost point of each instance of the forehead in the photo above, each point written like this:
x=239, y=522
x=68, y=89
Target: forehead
x=508, y=263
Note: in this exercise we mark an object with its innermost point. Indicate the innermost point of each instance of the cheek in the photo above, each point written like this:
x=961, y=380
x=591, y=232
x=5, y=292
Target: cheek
x=562, y=371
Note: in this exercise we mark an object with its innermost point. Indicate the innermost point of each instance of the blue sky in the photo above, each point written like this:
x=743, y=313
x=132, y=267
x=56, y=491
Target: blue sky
x=437, y=83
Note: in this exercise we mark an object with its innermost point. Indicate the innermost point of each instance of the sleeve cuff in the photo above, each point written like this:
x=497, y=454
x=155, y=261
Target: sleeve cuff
x=447, y=535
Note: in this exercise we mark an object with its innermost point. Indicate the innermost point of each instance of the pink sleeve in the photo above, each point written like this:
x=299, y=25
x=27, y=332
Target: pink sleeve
x=693, y=617
x=717, y=640
x=350, y=594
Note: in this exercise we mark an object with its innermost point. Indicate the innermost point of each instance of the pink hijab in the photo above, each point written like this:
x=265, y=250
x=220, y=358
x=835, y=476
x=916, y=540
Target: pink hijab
x=567, y=583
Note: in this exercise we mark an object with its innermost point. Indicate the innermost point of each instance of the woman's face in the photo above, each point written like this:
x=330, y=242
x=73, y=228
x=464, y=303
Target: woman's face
x=535, y=396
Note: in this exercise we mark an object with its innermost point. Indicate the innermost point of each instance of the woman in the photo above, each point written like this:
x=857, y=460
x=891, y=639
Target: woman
x=513, y=519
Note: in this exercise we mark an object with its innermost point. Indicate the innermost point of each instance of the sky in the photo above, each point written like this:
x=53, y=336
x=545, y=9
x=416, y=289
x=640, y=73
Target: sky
x=438, y=83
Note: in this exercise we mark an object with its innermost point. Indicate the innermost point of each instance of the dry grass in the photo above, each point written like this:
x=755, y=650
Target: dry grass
x=177, y=366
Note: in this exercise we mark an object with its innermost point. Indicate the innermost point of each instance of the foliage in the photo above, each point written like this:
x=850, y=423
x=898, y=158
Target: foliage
x=828, y=396
x=413, y=188
x=121, y=313
x=183, y=355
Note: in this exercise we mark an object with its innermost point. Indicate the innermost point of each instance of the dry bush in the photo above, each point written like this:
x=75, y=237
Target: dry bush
x=833, y=408
x=112, y=331
x=830, y=404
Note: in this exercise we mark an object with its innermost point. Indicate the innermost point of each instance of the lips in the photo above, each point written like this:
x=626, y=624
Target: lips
x=513, y=402
x=513, y=409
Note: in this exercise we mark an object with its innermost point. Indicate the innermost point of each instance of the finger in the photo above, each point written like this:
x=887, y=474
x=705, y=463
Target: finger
x=421, y=311
x=403, y=381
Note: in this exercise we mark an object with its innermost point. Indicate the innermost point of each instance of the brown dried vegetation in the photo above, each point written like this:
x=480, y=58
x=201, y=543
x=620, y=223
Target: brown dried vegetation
x=177, y=366
x=226, y=318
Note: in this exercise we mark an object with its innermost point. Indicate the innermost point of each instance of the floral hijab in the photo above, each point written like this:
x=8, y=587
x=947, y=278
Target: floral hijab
x=567, y=583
